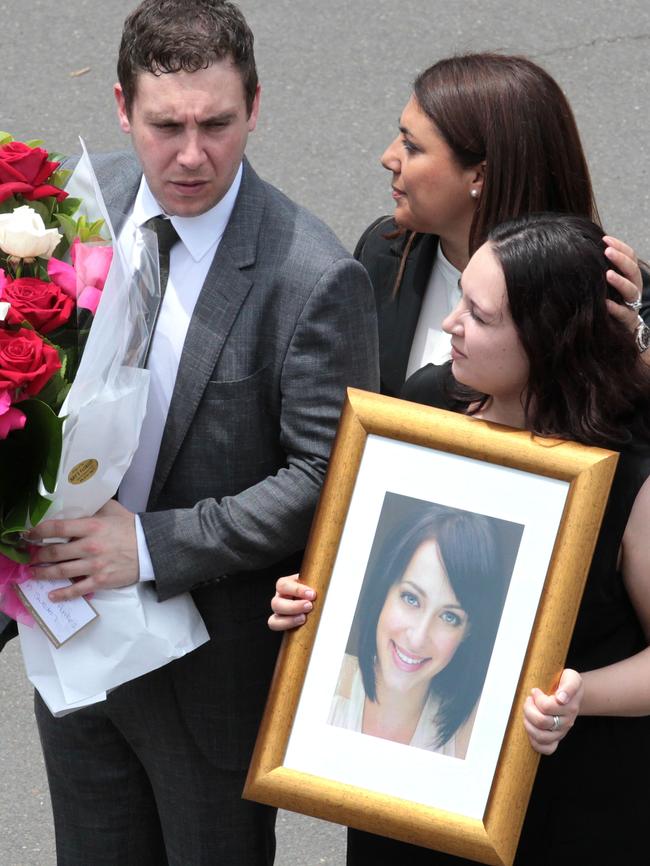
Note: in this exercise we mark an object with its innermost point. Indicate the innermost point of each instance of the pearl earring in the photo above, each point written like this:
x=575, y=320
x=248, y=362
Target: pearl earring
x=474, y=193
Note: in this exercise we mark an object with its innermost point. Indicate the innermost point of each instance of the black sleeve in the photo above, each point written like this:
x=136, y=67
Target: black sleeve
x=434, y=385
x=8, y=629
x=361, y=243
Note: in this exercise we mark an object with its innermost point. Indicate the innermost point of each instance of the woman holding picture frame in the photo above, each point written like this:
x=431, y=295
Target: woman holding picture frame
x=534, y=347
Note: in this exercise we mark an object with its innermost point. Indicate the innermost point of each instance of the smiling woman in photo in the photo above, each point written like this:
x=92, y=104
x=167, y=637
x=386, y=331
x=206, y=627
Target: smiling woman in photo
x=426, y=622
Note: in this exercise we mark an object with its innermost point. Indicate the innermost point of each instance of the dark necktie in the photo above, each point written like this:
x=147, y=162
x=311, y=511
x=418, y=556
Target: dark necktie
x=167, y=237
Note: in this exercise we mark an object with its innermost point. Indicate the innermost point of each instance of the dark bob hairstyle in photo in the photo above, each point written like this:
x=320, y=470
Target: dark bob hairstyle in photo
x=469, y=552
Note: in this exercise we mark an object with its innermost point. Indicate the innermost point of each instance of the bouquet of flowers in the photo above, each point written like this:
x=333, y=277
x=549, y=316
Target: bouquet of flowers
x=73, y=338
x=46, y=309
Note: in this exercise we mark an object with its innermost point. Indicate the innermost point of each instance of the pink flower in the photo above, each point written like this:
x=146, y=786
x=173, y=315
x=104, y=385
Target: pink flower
x=10, y=418
x=63, y=275
x=86, y=279
x=12, y=573
x=92, y=265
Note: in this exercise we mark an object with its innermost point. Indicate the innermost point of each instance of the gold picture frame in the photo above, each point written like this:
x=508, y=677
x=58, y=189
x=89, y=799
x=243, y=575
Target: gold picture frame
x=304, y=763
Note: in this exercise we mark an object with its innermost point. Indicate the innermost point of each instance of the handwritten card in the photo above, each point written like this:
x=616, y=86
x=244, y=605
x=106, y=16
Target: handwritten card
x=60, y=620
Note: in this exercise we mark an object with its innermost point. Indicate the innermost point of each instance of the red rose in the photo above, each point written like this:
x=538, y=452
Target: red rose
x=26, y=362
x=24, y=170
x=44, y=305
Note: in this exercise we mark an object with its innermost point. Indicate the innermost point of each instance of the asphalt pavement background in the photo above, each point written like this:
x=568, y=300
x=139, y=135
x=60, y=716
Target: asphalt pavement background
x=335, y=76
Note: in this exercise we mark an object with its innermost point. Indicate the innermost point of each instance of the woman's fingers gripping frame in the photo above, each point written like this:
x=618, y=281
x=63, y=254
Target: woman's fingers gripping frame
x=549, y=718
x=291, y=603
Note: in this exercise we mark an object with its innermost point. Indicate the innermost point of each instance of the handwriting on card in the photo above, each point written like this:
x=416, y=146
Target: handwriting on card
x=60, y=620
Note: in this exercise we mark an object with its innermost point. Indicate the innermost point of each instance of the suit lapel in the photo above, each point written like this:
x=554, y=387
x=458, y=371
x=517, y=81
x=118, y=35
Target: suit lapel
x=224, y=291
x=398, y=317
x=119, y=177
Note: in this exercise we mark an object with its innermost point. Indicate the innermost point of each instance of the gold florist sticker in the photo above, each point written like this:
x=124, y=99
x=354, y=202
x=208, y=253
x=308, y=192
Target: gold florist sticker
x=83, y=471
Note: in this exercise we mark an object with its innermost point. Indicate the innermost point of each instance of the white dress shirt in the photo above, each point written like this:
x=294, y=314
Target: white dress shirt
x=189, y=262
x=431, y=345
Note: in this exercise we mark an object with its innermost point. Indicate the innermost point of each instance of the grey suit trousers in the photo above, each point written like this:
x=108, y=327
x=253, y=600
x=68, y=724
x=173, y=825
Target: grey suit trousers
x=132, y=792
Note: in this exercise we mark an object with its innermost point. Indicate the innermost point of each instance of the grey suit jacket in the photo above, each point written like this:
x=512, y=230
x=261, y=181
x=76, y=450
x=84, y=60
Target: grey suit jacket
x=284, y=322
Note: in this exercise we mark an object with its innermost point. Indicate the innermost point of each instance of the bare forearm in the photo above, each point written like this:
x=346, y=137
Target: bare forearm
x=621, y=689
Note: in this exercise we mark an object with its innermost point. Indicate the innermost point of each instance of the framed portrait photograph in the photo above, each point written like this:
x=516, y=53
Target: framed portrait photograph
x=449, y=556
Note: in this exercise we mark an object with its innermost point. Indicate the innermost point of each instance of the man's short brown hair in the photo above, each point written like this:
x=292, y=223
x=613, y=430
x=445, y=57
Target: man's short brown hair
x=163, y=36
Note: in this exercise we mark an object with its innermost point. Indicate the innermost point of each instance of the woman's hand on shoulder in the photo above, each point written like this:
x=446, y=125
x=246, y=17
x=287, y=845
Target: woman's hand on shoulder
x=291, y=603
x=549, y=718
x=628, y=283
x=627, y=279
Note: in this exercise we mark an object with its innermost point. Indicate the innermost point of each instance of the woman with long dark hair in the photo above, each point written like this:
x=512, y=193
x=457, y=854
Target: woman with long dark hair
x=534, y=346
x=484, y=138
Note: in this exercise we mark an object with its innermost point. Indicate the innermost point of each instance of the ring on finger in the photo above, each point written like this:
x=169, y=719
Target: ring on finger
x=557, y=723
x=634, y=305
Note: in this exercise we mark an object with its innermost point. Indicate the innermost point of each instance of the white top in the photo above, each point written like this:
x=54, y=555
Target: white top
x=346, y=710
x=430, y=343
x=189, y=262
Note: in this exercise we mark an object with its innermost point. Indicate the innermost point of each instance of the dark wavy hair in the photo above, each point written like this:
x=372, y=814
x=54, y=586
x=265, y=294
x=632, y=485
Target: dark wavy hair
x=162, y=36
x=586, y=381
x=509, y=113
x=471, y=558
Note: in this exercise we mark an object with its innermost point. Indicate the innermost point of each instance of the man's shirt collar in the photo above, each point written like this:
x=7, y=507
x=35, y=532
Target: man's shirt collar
x=198, y=233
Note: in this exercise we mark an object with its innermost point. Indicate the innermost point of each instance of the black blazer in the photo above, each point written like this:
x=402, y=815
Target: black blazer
x=398, y=314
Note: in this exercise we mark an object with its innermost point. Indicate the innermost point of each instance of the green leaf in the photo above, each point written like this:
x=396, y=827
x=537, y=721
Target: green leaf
x=49, y=201
x=68, y=226
x=5, y=138
x=46, y=429
x=16, y=521
x=34, y=142
x=17, y=554
x=42, y=210
x=62, y=175
x=9, y=204
x=38, y=507
x=26, y=456
x=97, y=232
x=54, y=393
x=62, y=248
x=69, y=206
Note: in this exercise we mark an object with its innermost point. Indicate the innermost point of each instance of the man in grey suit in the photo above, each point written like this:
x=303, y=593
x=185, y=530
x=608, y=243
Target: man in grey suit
x=265, y=321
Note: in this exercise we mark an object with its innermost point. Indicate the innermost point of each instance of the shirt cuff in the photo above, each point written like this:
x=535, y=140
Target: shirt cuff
x=144, y=560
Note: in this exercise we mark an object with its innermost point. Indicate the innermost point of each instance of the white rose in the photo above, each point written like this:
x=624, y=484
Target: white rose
x=23, y=234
